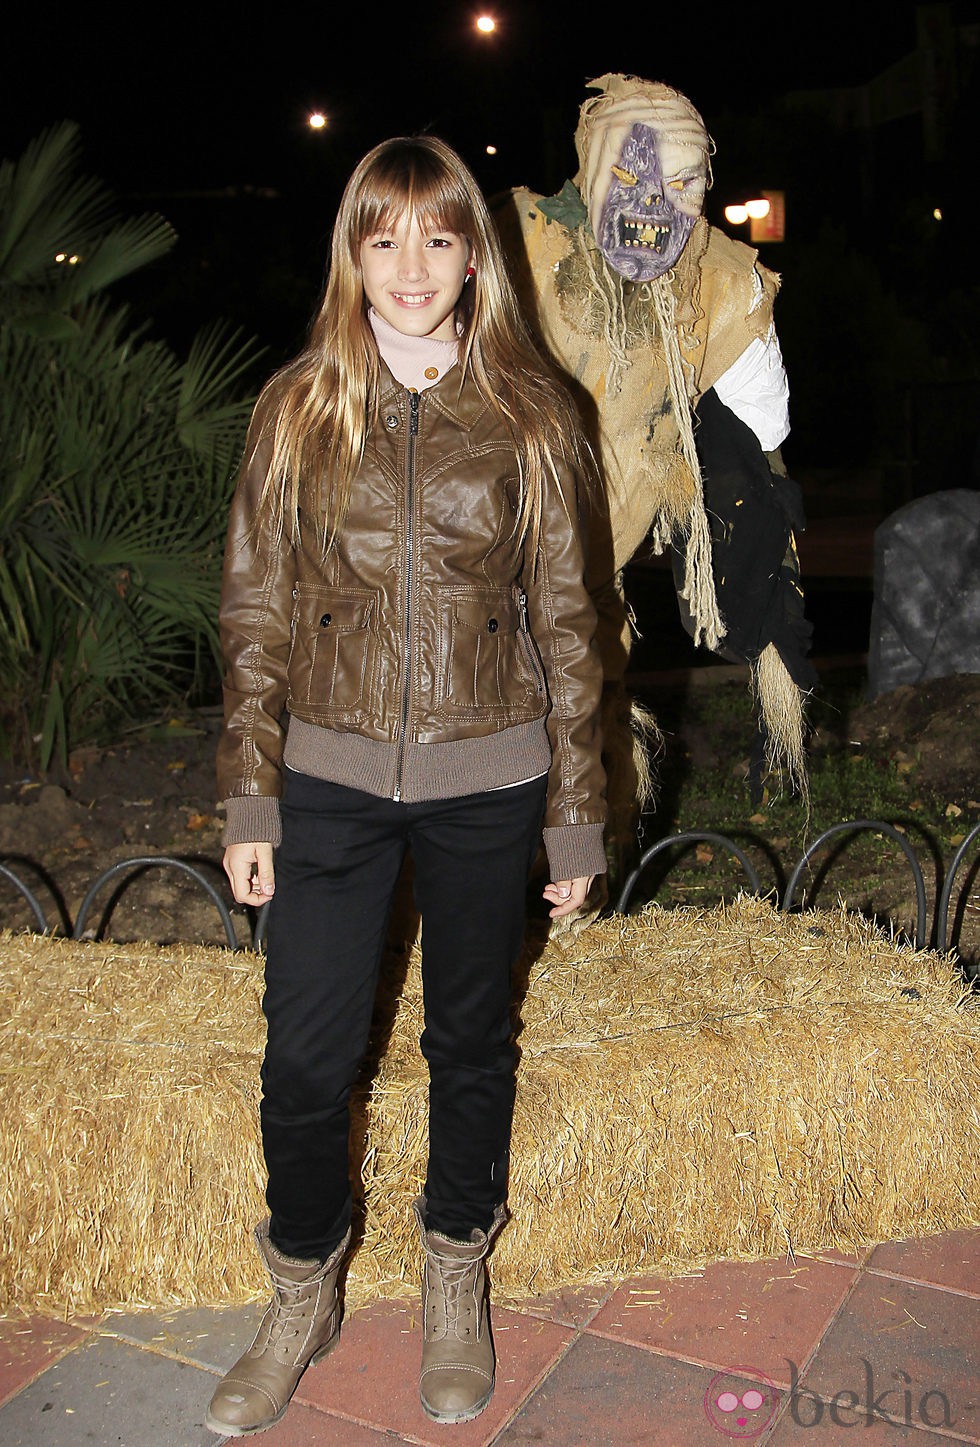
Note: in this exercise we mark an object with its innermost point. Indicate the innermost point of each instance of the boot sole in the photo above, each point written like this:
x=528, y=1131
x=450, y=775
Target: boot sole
x=223, y=1429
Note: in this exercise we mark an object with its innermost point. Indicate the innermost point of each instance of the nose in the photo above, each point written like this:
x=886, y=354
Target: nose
x=411, y=261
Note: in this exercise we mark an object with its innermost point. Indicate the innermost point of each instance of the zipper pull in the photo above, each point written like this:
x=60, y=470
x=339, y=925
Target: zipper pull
x=522, y=604
x=413, y=402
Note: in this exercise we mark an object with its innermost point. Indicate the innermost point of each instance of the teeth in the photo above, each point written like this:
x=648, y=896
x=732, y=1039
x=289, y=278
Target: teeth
x=642, y=233
x=414, y=298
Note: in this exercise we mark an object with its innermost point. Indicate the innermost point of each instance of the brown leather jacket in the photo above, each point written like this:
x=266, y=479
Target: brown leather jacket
x=423, y=626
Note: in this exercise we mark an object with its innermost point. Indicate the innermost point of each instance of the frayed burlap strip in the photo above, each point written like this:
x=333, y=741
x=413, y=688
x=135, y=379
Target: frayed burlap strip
x=693, y=1084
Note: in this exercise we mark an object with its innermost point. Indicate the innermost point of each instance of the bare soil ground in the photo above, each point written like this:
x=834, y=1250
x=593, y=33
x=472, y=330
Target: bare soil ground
x=152, y=794
x=149, y=794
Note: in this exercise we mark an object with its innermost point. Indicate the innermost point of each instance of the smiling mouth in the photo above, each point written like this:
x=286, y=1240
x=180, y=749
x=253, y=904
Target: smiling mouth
x=642, y=233
x=413, y=298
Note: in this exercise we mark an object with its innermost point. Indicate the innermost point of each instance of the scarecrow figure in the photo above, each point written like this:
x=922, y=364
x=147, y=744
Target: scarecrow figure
x=663, y=327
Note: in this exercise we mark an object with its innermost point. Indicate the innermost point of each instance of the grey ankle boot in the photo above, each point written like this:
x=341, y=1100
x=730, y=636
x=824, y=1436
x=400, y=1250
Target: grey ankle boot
x=301, y=1325
x=456, y=1380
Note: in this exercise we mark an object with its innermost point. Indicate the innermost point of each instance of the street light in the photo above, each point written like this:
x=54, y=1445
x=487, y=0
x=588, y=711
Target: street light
x=766, y=215
x=744, y=211
x=486, y=24
x=316, y=121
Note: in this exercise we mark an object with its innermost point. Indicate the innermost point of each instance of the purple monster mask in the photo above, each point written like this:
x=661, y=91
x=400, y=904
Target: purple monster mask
x=646, y=218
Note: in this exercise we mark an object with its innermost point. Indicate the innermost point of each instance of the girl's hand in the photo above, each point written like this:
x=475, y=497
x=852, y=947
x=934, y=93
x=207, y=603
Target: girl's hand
x=250, y=869
x=568, y=894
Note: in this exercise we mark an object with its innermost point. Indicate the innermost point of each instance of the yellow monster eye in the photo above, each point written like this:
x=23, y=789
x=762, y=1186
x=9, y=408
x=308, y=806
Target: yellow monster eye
x=627, y=177
x=676, y=185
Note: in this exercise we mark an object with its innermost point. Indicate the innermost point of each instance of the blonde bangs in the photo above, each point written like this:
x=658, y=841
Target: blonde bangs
x=408, y=180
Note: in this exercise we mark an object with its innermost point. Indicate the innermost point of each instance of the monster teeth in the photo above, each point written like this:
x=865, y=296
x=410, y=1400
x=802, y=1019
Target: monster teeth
x=644, y=234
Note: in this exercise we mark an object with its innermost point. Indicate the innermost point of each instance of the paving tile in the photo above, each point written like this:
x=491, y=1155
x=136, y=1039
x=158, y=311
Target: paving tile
x=823, y=1431
x=211, y=1337
x=952, y=1259
x=304, y=1426
x=30, y=1344
x=109, y=1394
x=372, y=1376
x=608, y=1394
x=648, y=1369
x=912, y=1350
x=573, y=1306
x=753, y=1316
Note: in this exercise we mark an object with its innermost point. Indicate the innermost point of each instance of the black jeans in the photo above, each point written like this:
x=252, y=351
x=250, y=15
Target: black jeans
x=336, y=874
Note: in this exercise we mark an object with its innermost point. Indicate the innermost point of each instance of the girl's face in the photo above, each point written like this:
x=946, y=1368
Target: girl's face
x=413, y=276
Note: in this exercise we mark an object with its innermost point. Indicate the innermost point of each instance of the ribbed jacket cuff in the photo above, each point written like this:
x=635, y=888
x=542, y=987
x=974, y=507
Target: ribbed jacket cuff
x=575, y=851
x=252, y=819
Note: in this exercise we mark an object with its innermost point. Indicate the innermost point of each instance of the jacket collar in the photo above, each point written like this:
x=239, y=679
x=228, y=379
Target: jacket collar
x=455, y=395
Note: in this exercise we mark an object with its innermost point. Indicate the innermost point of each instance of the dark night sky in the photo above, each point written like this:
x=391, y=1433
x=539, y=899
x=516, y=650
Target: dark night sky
x=172, y=97
x=179, y=105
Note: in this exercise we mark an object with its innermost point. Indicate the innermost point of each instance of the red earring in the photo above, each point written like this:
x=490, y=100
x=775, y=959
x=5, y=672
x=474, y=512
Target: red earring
x=470, y=271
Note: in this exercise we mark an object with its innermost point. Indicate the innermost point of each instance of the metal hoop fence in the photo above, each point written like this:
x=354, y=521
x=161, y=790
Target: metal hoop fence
x=947, y=919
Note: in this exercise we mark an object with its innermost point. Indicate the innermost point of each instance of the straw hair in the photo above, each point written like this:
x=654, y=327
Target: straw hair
x=693, y=1085
x=782, y=707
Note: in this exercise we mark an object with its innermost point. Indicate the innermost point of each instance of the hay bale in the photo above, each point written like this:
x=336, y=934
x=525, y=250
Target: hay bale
x=693, y=1084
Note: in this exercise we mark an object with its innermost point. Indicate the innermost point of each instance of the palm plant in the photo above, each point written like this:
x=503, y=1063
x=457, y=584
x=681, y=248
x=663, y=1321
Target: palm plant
x=115, y=459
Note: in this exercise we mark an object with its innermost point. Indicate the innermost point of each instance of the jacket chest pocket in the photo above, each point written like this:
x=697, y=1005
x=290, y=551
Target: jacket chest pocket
x=487, y=665
x=333, y=656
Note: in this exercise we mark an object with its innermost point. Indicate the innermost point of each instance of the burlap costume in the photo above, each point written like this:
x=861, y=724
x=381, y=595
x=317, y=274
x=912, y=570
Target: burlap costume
x=640, y=357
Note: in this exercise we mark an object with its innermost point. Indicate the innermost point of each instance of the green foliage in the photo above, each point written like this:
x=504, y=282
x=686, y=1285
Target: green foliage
x=115, y=460
x=703, y=787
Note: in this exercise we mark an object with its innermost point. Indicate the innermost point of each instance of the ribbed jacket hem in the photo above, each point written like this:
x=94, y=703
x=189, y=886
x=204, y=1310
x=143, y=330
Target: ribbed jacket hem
x=428, y=771
x=421, y=771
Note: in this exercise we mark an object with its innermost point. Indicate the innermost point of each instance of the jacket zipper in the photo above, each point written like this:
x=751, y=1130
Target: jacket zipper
x=413, y=432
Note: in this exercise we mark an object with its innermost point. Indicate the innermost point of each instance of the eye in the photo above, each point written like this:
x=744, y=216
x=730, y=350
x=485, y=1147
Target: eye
x=438, y=241
x=676, y=185
x=627, y=177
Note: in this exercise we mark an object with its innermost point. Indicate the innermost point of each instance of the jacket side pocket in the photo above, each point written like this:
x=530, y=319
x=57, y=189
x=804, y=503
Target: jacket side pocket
x=487, y=666
x=333, y=656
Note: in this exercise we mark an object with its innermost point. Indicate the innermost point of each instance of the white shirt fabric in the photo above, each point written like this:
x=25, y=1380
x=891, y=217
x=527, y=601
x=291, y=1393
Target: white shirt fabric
x=756, y=389
x=418, y=362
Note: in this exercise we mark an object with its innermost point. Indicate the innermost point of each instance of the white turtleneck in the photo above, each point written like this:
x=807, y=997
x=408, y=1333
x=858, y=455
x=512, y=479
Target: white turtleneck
x=417, y=362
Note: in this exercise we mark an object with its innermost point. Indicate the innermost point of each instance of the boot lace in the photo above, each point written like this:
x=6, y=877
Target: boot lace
x=452, y=1303
x=288, y=1316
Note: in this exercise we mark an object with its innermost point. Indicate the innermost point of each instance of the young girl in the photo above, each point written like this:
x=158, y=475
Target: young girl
x=403, y=579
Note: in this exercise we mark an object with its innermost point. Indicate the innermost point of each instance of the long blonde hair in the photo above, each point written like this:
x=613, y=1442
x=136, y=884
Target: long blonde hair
x=325, y=401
